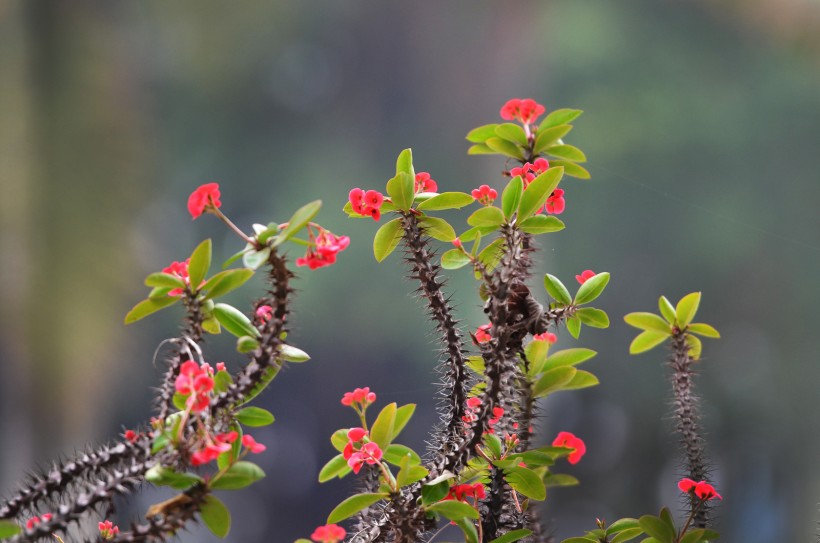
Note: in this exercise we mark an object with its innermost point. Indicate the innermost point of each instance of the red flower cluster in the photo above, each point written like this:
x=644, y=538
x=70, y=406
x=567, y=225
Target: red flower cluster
x=329, y=533
x=196, y=382
x=325, y=247
x=524, y=110
x=108, y=530
x=360, y=396
x=555, y=203
x=424, y=183
x=205, y=198
x=482, y=333
x=212, y=450
x=367, y=203
x=568, y=439
x=357, y=452
x=546, y=336
x=34, y=521
x=462, y=492
x=586, y=274
x=178, y=269
x=498, y=412
x=702, y=490
x=529, y=172
x=471, y=412
x=484, y=195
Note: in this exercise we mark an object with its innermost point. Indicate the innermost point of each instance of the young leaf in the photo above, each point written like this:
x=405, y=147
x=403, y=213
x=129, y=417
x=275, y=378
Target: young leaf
x=395, y=454
x=593, y=317
x=657, y=528
x=255, y=259
x=592, y=288
x=703, y=329
x=298, y=221
x=553, y=380
x=403, y=415
x=239, y=475
x=627, y=535
x=581, y=379
x=548, y=136
x=560, y=479
x=226, y=281
x=511, y=537
x=335, y=467
x=215, y=516
x=211, y=325
x=353, y=505
x=437, y=228
x=199, y=264
x=161, y=279
x=536, y=353
x=541, y=224
x=480, y=149
x=511, y=197
x=454, y=259
x=512, y=133
x=537, y=192
x=453, y=510
x=468, y=528
x=409, y=473
x=401, y=191
x=486, y=216
x=567, y=152
x=446, y=200
x=559, y=116
x=436, y=489
x=667, y=310
x=504, y=147
x=146, y=307
x=647, y=321
x=382, y=429
x=574, y=326
x=289, y=353
x=695, y=347
x=387, y=238
x=404, y=163
x=571, y=168
x=491, y=255
x=622, y=524
x=255, y=416
x=246, y=344
x=686, y=308
x=647, y=340
x=557, y=290
x=481, y=133
x=234, y=321
x=526, y=482
x=8, y=529
x=159, y=292
x=569, y=357
x=477, y=232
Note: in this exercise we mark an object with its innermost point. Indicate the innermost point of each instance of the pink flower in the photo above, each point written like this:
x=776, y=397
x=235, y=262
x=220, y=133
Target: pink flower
x=484, y=195
x=370, y=453
x=366, y=203
x=529, y=172
x=326, y=246
x=586, y=274
x=702, y=489
x=208, y=454
x=423, y=183
x=361, y=396
x=220, y=366
x=205, y=198
x=482, y=333
x=195, y=382
x=264, y=312
x=250, y=443
x=108, y=530
x=329, y=533
x=546, y=336
x=568, y=439
x=228, y=437
x=33, y=521
x=180, y=270
x=356, y=434
x=524, y=110
x=555, y=202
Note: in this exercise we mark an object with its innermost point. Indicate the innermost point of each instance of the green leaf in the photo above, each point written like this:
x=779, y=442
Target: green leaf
x=476, y=363
x=446, y=200
x=211, y=325
x=289, y=353
x=536, y=353
x=222, y=381
x=395, y=454
x=571, y=168
x=335, y=467
x=268, y=375
x=493, y=442
x=387, y=238
x=667, y=310
x=146, y=307
x=477, y=232
x=695, y=347
x=553, y=380
x=404, y=163
x=382, y=429
x=693, y=535
x=655, y=527
x=567, y=152
x=437, y=228
x=580, y=540
x=246, y=344
x=469, y=530
x=403, y=415
x=161, y=279
x=559, y=479
x=647, y=340
x=9, y=529
x=200, y=264
x=159, y=292
x=436, y=489
x=557, y=290
x=491, y=255
x=255, y=416
x=647, y=321
x=303, y=216
x=215, y=516
x=569, y=357
x=512, y=133
x=255, y=259
x=581, y=379
x=574, y=326
x=401, y=190
x=226, y=281
x=537, y=192
x=453, y=510
x=234, y=321
x=164, y=476
x=239, y=475
x=454, y=259
x=541, y=224
x=486, y=216
x=353, y=505
x=627, y=535
x=703, y=329
x=504, y=147
x=480, y=149
x=409, y=473
x=511, y=197
x=481, y=133
x=179, y=401
x=622, y=524
x=593, y=317
x=526, y=482
x=512, y=536
x=560, y=116
x=686, y=309
x=548, y=136
x=339, y=439
x=592, y=288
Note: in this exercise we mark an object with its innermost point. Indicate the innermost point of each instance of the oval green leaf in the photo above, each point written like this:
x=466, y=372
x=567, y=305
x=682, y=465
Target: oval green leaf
x=289, y=353
x=647, y=321
x=298, y=221
x=553, y=380
x=655, y=527
x=161, y=279
x=481, y=133
x=401, y=191
x=574, y=326
x=557, y=290
x=437, y=228
x=403, y=415
x=686, y=309
x=404, y=163
x=504, y=147
x=591, y=316
x=335, y=467
x=146, y=307
x=9, y=529
x=199, y=264
x=667, y=309
x=234, y=321
x=548, y=136
x=568, y=152
x=592, y=288
x=559, y=116
x=453, y=510
x=255, y=259
x=703, y=329
x=542, y=224
x=382, y=430
x=454, y=259
x=239, y=475
x=353, y=505
x=255, y=416
x=537, y=192
x=581, y=379
x=569, y=357
x=512, y=133
x=215, y=516
x=511, y=197
x=647, y=340
x=695, y=347
x=526, y=482
x=226, y=281
x=571, y=168
x=446, y=200
x=387, y=239
x=486, y=216
x=512, y=536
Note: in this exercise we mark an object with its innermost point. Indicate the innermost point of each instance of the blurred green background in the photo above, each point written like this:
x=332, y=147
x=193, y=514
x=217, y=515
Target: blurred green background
x=702, y=126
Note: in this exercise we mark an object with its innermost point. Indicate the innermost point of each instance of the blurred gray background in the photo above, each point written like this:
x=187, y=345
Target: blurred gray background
x=702, y=126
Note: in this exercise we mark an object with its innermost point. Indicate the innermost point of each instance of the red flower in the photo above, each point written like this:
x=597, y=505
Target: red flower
x=586, y=274
x=33, y=521
x=228, y=437
x=196, y=382
x=264, y=312
x=356, y=434
x=529, y=172
x=329, y=533
x=208, y=454
x=423, y=183
x=366, y=203
x=130, y=436
x=484, y=195
x=326, y=246
x=702, y=489
x=546, y=336
x=250, y=443
x=464, y=491
x=370, y=453
x=361, y=396
x=178, y=269
x=568, y=439
x=482, y=333
x=556, y=203
x=204, y=198
x=524, y=110
x=108, y=530
x=220, y=366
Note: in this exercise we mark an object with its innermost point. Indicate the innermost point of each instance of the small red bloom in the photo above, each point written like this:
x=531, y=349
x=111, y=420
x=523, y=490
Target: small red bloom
x=33, y=521
x=204, y=198
x=423, y=183
x=130, y=436
x=525, y=110
x=529, y=172
x=546, y=336
x=323, y=253
x=586, y=274
x=329, y=533
x=220, y=366
x=178, y=269
x=228, y=437
x=464, y=491
x=457, y=243
x=366, y=203
x=361, y=396
x=702, y=489
x=556, y=203
x=484, y=195
x=370, y=453
x=264, y=312
x=473, y=402
x=108, y=530
x=482, y=333
x=250, y=443
x=356, y=434
x=568, y=439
